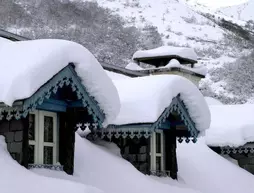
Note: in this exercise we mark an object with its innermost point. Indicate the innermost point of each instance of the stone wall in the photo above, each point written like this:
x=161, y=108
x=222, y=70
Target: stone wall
x=13, y=132
x=247, y=163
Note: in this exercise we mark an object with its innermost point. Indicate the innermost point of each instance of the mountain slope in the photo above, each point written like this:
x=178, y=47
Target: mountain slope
x=241, y=12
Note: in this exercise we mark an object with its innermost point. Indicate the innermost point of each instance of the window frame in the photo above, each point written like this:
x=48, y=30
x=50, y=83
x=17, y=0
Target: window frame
x=39, y=143
x=153, y=152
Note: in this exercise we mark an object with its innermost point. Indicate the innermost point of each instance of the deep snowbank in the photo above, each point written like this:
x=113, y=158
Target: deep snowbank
x=112, y=174
x=100, y=167
x=15, y=178
x=204, y=170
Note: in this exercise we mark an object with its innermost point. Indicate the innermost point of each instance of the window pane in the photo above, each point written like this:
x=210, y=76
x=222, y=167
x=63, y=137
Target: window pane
x=48, y=129
x=48, y=155
x=158, y=163
x=158, y=143
x=31, y=130
x=31, y=154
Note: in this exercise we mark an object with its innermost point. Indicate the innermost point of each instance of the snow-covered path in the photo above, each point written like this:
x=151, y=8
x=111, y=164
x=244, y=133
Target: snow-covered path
x=204, y=170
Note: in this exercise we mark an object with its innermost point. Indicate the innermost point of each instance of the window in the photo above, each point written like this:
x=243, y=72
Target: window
x=157, y=152
x=43, y=141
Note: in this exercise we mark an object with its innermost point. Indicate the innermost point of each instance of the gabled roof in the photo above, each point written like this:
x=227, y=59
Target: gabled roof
x=27, y=65
x=144, y=99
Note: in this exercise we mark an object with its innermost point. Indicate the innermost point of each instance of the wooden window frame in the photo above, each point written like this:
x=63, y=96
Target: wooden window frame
x=39, y=143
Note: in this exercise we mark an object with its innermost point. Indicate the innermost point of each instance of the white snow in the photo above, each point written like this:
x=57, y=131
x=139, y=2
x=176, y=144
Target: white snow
x=143, y=99
x=111, y=173
x=25, y=66
x=4, y=41
x=183, y=52
x=231, y=125
x=116, y=76
x=15, y=178
x=212, y=101
x=208, y=172
x=200, y=171
x=198, y=68
x=243, y=11
x=133, y=66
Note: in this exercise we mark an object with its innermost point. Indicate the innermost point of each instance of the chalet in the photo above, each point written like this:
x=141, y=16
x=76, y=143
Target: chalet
x=168, y=60
x=47, y=86
x=231, y=133
x=155, y=112
x=58, y=86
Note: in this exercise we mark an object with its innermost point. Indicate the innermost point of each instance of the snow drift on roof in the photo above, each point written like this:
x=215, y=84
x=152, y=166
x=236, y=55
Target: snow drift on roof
x=133, y=66
x=213, y=101
x=26, y=65
x=114, y=75
x=143, y=99
x=182, y=52
x=231, y=125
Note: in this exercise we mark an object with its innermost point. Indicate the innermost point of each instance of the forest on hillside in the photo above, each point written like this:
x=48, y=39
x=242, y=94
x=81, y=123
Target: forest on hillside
x=102, y=32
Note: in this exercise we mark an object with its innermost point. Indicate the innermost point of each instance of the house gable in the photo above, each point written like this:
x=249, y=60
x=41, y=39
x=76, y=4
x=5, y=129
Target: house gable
x=146, y=129
x=67, y=77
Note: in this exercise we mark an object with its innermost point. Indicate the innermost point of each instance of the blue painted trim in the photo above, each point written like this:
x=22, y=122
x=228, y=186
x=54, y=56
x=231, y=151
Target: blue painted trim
x=66, y=76
x=76, y=104
x=162, y=122
x=53, y=105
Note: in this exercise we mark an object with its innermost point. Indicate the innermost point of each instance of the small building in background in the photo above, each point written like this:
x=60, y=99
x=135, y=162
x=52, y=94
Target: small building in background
x=169, y=60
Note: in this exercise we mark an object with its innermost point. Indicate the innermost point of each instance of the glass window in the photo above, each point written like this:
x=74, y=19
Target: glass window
x=31, y=130
x=158, y=143
x=48, y=155
x=158, y=163
x=48, y=129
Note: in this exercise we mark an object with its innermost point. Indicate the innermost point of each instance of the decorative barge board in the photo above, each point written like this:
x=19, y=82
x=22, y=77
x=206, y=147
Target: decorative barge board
x=244, y=155
x=151, y=147
x=46, y=96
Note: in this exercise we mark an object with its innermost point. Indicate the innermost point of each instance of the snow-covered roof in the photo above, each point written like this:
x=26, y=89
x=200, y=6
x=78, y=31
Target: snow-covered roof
x=143, y=99
x=133, y=66
x=26, y=65
x=213, y=101
x=231, y=125
x=166, y=51
x=173, y=63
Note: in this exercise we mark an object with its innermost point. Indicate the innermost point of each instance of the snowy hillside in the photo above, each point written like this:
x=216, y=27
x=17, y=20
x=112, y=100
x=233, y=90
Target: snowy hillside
x=181, y=24
x=177, y=23
x=241, y=12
